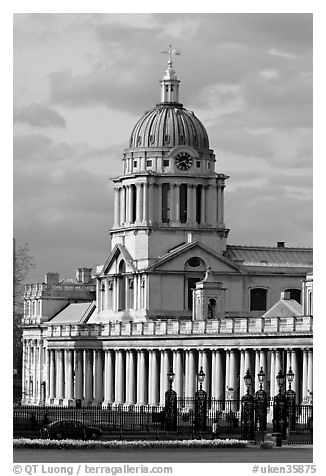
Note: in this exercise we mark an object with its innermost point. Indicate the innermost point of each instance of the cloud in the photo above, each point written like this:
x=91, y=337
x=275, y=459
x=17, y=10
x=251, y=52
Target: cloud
x=260, y=216
x=31, y=145
x=39, y=115
x=247, y=77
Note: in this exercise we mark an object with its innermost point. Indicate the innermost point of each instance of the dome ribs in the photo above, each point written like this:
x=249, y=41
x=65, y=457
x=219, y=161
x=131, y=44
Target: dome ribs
x=169, y=125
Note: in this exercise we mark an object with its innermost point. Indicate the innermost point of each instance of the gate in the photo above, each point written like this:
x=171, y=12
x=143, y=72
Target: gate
x=302, y=431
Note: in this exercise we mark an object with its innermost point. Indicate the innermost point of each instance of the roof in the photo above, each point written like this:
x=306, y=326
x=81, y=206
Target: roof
x=284, y=308
x=74, y=313
x=169, y=125
x=178, y=250
x=271, y=258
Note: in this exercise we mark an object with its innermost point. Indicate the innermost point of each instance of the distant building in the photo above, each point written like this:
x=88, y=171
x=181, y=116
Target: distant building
x=172, y=292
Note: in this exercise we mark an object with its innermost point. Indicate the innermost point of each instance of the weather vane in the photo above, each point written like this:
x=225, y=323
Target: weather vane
x=171, y=52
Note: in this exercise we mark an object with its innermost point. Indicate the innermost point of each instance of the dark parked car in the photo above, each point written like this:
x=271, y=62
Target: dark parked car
x=70, y=429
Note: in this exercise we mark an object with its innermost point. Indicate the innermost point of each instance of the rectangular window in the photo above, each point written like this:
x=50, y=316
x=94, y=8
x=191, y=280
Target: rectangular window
x=208, y=165
x=183, y=203
x=149, y=162
x=166, y=163
x=198, y=164
x=198, y=203
x=135, y=163
x=165, y=203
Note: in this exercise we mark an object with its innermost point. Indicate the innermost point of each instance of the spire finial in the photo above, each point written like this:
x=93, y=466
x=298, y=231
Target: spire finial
x=171, y=52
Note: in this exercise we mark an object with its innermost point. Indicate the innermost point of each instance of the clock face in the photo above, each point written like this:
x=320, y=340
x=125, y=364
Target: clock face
x=183, y=161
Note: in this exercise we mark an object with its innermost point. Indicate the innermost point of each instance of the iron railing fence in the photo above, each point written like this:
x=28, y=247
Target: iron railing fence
x=302, y=431
x=223, y=418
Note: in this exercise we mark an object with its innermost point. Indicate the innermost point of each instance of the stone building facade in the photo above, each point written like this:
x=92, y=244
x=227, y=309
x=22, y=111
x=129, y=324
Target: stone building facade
x=172, y=293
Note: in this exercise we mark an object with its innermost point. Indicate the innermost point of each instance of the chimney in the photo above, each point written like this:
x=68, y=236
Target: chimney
x=281, y=244
x=86, y=275
x=79, y=275
x=52, y=278
x=285, y=295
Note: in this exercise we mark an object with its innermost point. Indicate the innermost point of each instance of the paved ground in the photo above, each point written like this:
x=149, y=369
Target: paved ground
x=177, y=455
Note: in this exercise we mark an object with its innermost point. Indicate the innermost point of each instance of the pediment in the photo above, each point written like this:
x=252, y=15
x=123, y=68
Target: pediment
x=111, y=265
x=177, y=259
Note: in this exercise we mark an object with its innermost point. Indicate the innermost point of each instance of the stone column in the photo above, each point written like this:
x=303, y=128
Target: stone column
x=132, y=377
x=213, y=204
x=242, y=373
x=263, y=364
x=119, y=378
x=122, y=205
x=273, y=389
x=247, y=365
x=59, y=375
x=40, y=372
x=35, y=371
x=141, y=378
x=99, y=393
x=151, y=203
x=47, y=374
x=310, y=370
x=88, y=377
x=139, y=203
x=165, y=368
x=178, y=370
x=69, y=379
x=79, y=374
x=257, y=369
x=203, y=205
x=278, y=367
x=206, y=369
x=192, y=373
x=177, y=202
x=219, y=368
x=227, y=370
x=24, y=364
x=234, y=371
x=159, y=204
x=108, y=378
x=190, y=200
x=52, y=375
x=116, y=207
x=130, y=203
x=145, y=202
x=28, y=372
x=295, y=370
x=220, y=205
x=186, y=354
x=152, y=378
x=288, y=361
x=304, y=374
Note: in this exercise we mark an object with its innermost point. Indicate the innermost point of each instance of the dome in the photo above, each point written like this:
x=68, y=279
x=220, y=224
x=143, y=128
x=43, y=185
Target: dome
x=169, y=125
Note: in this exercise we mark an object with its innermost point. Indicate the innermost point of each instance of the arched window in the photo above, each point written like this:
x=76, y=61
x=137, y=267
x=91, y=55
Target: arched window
x=131, y=293
x=294, y=294
x=102, y=296
x=122, y=286
x=195, y=268
x=258, y=299
x=191, y=285
x=211, y=308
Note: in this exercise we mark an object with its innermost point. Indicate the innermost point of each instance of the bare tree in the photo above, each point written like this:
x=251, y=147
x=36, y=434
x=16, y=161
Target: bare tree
x=22, y=263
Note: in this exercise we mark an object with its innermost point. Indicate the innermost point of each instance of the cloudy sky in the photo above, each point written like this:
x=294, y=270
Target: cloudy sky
x=81, y=81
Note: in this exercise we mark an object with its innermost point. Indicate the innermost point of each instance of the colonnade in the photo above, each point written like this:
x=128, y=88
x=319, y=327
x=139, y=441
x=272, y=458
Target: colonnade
x=143, y=203
x=139, y=376
x=110, y=290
